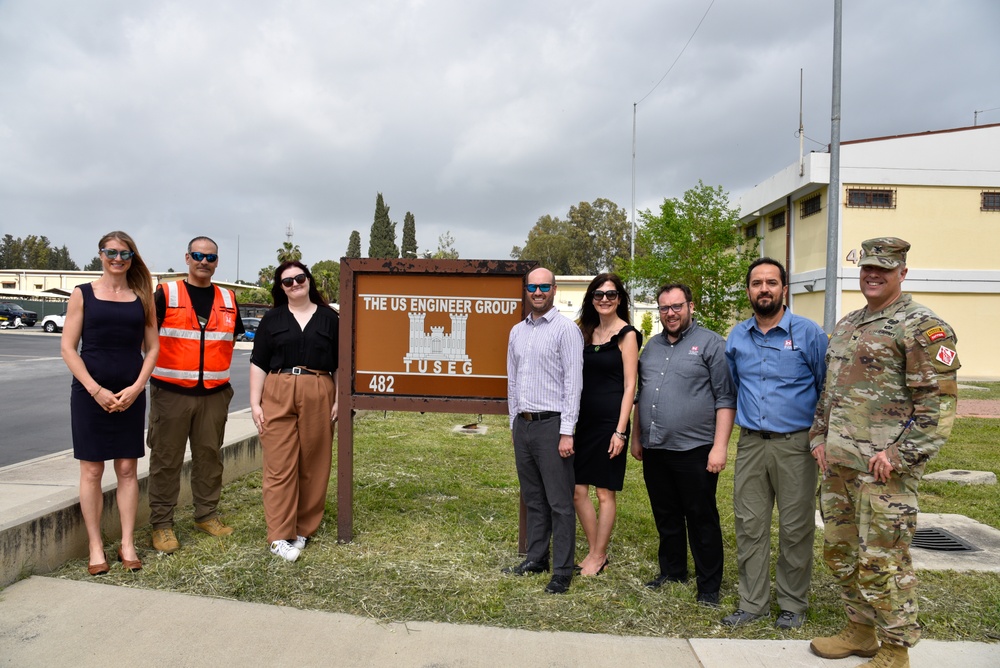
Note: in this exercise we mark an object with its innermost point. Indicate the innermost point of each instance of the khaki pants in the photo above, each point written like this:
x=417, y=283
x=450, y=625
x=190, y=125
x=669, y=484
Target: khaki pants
x=173, y=419
x=297, y=444
x=781, y=472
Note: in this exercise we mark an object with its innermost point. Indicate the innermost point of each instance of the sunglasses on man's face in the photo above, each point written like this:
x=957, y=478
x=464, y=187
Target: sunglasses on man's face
x=544, y=287
x=112, y=253
x=287, y=282
x=601, y=294
x=198, y=257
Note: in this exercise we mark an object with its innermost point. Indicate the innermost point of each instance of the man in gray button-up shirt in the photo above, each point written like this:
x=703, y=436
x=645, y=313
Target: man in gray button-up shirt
x=685, y=412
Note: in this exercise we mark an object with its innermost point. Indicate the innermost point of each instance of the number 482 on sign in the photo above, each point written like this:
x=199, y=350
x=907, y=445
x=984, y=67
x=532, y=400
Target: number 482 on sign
x=381, y=384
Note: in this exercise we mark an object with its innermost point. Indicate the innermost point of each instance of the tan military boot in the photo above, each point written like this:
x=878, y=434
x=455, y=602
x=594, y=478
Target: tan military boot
x=889, y=656
x=856, y=639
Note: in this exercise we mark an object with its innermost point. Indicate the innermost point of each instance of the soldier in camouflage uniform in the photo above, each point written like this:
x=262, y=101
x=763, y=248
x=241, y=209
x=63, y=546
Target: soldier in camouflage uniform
x=887, y=407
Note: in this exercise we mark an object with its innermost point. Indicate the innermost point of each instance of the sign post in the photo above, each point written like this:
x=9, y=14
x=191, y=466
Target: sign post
x=421, y=335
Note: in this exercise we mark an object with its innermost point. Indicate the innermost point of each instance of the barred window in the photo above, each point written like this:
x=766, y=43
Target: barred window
x=991, y=201
x=751, y=231
x=865, y=198
x=776, y=220
x=810, y=206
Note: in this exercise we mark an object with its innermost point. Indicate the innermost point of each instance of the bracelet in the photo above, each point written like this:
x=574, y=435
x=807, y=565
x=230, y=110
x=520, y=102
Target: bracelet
x=97, y=391
x=620, y=435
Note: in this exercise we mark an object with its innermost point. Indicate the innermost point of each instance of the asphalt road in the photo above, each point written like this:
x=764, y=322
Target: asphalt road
x=34, y=394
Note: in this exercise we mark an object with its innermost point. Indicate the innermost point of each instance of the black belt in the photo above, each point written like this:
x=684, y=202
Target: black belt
x=301, y=370
x=768, y=435
x=544, y=415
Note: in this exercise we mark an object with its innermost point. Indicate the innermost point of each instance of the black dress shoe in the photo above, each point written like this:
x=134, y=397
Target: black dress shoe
x=661, y=580
x=527, y=566
x=709, y=599
x=558, y=584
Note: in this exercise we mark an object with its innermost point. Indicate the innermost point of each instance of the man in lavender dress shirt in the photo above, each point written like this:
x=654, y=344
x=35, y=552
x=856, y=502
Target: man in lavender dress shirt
x=544, y=381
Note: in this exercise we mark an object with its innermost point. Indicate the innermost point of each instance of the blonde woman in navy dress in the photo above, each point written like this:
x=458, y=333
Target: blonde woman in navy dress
x=115, y=320
x=610, y=371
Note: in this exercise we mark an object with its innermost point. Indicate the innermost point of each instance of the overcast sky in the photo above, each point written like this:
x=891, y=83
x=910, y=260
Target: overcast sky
x=236, y=118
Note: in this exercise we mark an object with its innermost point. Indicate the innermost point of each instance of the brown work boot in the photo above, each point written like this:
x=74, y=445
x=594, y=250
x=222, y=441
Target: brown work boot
x=889, y=656
x=856, y=639
x=165, y=541
x=213, y=526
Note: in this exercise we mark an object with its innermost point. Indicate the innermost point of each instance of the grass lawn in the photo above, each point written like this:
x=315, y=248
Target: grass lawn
x=435, y=520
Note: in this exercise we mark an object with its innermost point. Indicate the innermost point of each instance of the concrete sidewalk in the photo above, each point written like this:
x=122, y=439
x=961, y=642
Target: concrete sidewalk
x=52, y=622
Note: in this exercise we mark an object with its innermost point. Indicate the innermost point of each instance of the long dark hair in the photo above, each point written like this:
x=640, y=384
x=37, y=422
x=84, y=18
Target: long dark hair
x=589, y=317
x=280, y=298
x=138, y=277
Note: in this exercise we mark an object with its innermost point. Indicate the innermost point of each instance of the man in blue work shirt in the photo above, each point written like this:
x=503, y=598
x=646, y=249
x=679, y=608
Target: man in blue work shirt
x=777, y=362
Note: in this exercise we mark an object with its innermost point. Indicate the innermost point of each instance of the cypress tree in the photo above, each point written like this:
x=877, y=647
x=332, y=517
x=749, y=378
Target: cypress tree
x=409, y=248
x=354, y=245
x=382, y=240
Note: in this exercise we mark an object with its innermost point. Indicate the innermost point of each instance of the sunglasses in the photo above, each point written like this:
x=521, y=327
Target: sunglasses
x=676, y=308
x=112, y=253
x=601, y=294
x=287, y=282
x=544, y=287
x=198, y=257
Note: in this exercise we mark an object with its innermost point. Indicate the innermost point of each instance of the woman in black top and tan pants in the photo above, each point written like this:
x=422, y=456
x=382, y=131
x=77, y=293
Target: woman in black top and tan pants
x=293, y=400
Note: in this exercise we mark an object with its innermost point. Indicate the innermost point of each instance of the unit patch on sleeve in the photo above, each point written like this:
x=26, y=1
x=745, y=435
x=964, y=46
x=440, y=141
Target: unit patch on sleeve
x=945, y=355
x=936, y=334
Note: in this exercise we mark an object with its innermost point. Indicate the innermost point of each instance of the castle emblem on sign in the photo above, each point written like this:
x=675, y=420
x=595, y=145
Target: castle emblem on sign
x=437, y=345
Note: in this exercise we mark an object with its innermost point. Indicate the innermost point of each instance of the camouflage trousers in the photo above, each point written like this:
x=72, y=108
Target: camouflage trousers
x=868, y=528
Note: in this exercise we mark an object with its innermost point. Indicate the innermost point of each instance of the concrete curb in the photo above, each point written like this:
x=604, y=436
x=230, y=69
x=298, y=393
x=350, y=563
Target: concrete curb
x=41, y=526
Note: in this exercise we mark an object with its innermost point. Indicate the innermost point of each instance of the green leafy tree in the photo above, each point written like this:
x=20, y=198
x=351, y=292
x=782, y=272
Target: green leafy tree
x=34, y=252
x=11, y=253
x=94, y=265
x=59, y=259
x=445, y=250
x=593, y=238
x=259, y=295
x=382, y=239
x=647, y=325
x=326, y=273
x=695, y=240
x=409, y=247
x=265, y=276
x=354, y=245
x=289, y=253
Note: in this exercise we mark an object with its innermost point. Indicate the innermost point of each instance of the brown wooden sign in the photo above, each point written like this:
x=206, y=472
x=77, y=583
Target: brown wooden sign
x=421, y=335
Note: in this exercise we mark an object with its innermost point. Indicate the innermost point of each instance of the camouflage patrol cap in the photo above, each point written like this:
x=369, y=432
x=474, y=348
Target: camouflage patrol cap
x=888, y=252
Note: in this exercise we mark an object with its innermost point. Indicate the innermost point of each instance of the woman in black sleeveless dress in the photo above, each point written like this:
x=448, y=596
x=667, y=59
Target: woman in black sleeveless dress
x=114, y=318
x=610, y=369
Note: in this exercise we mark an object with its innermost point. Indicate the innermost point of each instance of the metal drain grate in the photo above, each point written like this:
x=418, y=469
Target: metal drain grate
x=941, y=540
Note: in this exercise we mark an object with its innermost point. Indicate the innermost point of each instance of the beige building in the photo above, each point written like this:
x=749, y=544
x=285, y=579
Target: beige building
x=938, y=190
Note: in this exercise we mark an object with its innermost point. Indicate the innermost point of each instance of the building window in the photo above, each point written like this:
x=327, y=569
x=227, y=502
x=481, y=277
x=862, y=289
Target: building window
x=991, y=201
x=810, y=206
x=9, y=285
x=751, y=231
x=776, y=220
x=865, y=198
x=38, y=286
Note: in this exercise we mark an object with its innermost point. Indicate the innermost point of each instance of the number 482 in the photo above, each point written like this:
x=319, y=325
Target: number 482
x=382, y=384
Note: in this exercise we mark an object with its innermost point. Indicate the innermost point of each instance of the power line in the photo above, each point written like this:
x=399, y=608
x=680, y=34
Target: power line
x=681, y=53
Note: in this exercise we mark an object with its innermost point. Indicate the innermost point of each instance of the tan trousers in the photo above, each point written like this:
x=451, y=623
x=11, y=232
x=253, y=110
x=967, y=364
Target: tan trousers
x=297, y=444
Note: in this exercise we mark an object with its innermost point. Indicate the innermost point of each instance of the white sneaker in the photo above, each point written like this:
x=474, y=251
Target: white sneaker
x=285, y=550
x=300, y=542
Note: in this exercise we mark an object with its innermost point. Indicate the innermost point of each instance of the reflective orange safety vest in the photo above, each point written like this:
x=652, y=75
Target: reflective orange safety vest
x=186, y=350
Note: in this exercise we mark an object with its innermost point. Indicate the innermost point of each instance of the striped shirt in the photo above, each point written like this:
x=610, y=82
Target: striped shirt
x=545, y=368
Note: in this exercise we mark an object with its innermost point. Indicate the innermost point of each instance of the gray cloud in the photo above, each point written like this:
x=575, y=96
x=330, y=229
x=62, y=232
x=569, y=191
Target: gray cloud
x=170, y=120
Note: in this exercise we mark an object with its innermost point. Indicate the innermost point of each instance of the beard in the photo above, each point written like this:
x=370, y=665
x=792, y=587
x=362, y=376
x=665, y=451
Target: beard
x=766, y=311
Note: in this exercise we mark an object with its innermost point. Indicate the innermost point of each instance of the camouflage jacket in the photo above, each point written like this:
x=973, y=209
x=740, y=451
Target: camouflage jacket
x=890, y=385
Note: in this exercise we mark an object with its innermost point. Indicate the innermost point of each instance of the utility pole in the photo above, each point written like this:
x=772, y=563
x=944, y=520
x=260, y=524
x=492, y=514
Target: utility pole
x=832, y=290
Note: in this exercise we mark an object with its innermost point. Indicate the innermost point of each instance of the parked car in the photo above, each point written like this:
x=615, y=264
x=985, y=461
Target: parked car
x=54, y=323
x=10, y=311
x=250, y=327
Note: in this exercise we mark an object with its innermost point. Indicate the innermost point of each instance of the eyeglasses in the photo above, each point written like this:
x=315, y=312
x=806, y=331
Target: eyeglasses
x=544, y=287
x=287, y=282
x=676, y=308
x=112, y=253
x=601, y=294
x=198, y=257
